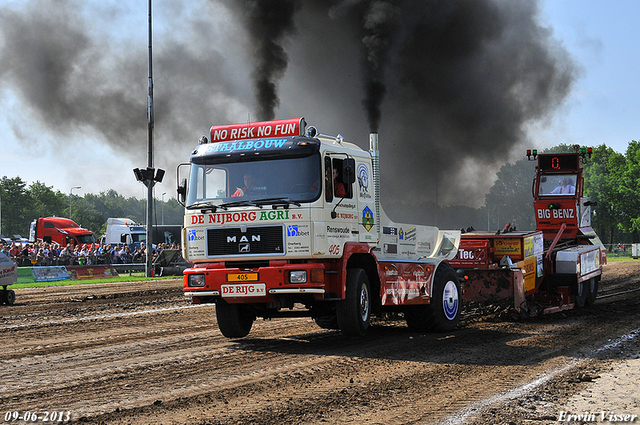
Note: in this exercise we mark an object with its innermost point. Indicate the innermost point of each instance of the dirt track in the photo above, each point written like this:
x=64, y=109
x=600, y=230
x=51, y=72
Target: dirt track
x=139, y=353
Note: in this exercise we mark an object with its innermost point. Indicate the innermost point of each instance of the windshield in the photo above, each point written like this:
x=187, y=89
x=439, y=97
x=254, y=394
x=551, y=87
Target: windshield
x=557, y=185
x=86, y=239
x=294, y=179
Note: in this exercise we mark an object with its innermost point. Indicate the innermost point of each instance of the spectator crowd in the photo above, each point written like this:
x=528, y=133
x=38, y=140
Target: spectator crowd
x=52, y=254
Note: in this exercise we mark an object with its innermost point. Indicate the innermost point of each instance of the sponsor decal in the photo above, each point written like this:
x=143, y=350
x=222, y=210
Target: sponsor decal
x=390, y=230
x=294, y=230
x=341, y=230
x=507, y=246
x=556, y=213
x=279, y=128
x=367, y=218
x=408, y=234
x=192, y=235
x=245, y=145
x=363, y=181
x=237, y=217
x=244, y=290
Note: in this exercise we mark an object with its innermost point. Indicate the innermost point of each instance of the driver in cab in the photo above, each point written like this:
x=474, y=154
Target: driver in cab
x=249, y=183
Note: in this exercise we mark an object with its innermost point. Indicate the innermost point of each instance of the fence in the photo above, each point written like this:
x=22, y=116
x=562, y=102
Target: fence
x=623, y=250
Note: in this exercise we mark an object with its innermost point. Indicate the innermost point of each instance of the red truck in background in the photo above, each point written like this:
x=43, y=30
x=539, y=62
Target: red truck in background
x=60, y=230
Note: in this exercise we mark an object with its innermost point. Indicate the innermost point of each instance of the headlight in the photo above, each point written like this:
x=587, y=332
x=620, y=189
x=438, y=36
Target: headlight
x=196, y=280
x=298, y=276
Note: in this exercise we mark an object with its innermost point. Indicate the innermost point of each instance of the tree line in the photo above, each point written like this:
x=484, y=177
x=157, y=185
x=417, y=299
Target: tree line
x=612, y=181
x=21, y=204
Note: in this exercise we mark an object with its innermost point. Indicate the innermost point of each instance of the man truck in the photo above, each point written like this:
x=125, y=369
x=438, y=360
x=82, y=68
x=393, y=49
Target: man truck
x=269, y=234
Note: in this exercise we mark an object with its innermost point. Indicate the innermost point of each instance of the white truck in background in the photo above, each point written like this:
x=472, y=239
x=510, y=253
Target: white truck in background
x=124, y=231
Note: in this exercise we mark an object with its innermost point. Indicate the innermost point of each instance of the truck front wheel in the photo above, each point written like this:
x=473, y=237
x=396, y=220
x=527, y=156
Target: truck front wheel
x=443, y=314
x=234, y=320
x=10, y=298
x=354, y=312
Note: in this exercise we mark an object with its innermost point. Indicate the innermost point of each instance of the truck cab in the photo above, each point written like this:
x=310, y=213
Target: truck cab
x=60, y=230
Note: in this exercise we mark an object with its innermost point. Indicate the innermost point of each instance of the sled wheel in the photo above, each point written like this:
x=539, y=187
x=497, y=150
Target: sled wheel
x=327, y=322
x=354, y=312
x=10, y=297
x=594, y=282
x=443, y=314
x=234, y=320
x=583, y=294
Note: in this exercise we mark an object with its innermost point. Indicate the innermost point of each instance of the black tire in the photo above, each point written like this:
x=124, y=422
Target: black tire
x=593, y=285
x=3, y=296
x=443, y=314
x=234, y=320
x=582, y=294
x=10, y=297
x=327, y=322
x=354, y=312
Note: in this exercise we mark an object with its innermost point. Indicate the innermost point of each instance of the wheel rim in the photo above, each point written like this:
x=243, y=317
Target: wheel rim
x=364, y=303
x=450, y=300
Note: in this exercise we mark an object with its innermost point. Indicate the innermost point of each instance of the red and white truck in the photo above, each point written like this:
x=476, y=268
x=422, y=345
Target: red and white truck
x=555, y=267
x=60, y=230
x=282, y=221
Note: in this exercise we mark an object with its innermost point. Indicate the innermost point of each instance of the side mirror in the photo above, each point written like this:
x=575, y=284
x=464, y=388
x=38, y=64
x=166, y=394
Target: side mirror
x=182, y=191
x=349, y=171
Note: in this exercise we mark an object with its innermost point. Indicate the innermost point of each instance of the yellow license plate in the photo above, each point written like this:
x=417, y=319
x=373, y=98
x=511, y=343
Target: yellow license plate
x=242, y=277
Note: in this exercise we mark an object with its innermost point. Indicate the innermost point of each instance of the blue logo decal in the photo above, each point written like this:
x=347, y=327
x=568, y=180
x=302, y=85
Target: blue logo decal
x=192, y=235
x=292, y=230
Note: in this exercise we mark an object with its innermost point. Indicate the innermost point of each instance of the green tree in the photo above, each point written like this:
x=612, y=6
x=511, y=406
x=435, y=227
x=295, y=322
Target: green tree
x=16, y=211
x=602, y=186
x=46, y=202
x=628, y=201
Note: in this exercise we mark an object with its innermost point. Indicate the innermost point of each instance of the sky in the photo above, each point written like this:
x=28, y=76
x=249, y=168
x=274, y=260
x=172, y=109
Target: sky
x=500, y=76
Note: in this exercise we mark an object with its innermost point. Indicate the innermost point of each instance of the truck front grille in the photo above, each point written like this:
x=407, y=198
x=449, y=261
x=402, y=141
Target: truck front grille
x=245, y=240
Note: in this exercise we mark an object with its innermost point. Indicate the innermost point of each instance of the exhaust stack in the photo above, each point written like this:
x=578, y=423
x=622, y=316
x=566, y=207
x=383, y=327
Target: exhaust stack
x=375, y=160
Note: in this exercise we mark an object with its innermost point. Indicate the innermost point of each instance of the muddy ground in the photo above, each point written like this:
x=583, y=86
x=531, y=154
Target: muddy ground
x=140, y=353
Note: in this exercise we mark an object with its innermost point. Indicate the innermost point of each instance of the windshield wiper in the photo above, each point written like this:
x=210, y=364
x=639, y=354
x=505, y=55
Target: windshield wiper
x=205, y=206
x=244, y=203
x=284, y=202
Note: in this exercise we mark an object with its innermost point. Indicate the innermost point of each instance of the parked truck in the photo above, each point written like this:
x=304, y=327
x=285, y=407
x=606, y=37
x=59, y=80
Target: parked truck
x=283, y=221
x=558, y=266
x=124, y=231
x=8, y=276
x=128, y=232
x=60, y=230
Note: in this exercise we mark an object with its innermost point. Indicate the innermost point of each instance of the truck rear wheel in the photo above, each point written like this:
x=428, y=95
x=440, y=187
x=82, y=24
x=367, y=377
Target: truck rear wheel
x=234, y=320
x=354, y=312
x=582, y=294
x=10, y=297
x=443, y=314
x=594, y=282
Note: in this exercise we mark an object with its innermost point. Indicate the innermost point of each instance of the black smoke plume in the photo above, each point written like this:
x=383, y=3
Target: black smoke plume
x=451, y=86
x=268, y=22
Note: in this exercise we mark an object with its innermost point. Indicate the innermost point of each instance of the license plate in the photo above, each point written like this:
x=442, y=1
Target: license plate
x=242, y=277
x=245, y=290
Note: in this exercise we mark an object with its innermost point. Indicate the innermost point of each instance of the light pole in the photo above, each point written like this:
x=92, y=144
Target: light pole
x=163, y=193
x=71, y=190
